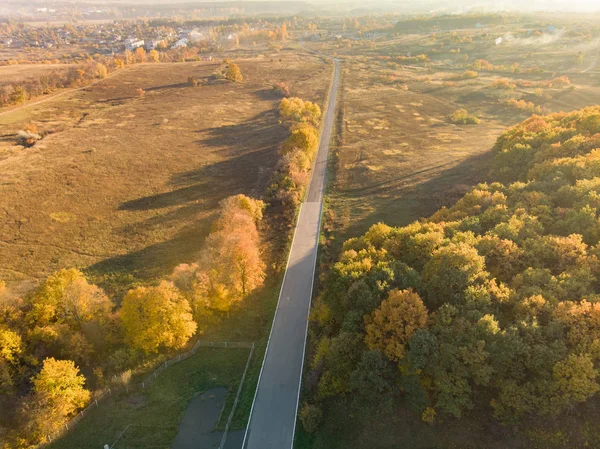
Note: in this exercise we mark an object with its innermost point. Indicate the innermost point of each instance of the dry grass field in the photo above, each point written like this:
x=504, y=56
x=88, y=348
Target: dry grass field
x=125, y=184
x=398, y=156
x=17, y=72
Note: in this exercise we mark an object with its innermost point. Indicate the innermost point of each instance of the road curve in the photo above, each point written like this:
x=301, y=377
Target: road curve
x=272, y=420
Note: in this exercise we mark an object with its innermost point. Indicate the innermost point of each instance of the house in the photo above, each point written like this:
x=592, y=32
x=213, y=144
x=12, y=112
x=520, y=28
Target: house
x=180, y=43
x=133, y=43
x=499, y=40
x=151, y=45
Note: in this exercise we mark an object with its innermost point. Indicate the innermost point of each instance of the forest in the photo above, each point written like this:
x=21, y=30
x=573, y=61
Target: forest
x=489, y=306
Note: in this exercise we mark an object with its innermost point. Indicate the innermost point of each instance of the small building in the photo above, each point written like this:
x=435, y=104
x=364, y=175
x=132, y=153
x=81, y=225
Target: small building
x=180, y=43
x=499, y=40
x=133, y=43
x=151, y=45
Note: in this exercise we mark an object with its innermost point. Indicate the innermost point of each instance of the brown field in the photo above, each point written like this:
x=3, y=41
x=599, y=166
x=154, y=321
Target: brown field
x=398, y=157
x=128, y=185
x=17, y=72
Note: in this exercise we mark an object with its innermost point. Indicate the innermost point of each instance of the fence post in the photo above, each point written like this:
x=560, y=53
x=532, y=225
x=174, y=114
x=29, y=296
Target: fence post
x=143, y=386
x=127, y=389
x=109, y=392
x=96, y=401
x=226, y=344
x=81, y=413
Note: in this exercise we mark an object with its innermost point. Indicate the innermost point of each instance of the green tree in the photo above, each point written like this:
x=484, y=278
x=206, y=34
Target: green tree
x=450, y=271
x=575, y=379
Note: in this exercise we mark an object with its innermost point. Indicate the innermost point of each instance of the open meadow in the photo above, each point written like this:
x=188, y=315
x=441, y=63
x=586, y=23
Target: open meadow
x=129, y=172
x=399, y=157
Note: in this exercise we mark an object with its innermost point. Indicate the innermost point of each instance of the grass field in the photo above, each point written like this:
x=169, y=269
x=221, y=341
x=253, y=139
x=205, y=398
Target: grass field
x=398, y=158
x=127, y=185
x=155, y=413
x=18, y=72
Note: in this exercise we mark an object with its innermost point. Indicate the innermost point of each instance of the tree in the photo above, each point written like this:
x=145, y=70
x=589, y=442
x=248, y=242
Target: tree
x=373, y=380
x=140, y=55
x=390, y=327
x=311, y=416
x=11, y=348
x=101, y=70
x=157, y=317
x=67, y=297
x=283, y=33
x=575, y=379
x=154, y=55
x=58, y=391
x=230, y=265
x=450, y=271
x=234, y=73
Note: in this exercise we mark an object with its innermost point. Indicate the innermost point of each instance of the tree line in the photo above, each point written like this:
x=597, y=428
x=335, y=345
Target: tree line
x=487, y=308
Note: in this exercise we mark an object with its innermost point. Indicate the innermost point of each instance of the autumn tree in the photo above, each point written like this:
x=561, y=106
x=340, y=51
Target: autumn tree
x=157, y=318
x=283, y=33
x=233, y=73
x=230, y=265
x=68, y=312
x=390, y=327
x=450, y=271
x=11, y=349
x=295, y=109
x=154, y=56
x=58, y=391
x=140, y=55
x=575, y=379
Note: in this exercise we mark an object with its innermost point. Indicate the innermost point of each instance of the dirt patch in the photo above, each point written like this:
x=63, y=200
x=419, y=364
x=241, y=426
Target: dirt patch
x=196, y=430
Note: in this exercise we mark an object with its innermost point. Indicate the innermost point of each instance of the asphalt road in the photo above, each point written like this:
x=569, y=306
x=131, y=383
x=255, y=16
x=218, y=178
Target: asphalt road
x=273, y=416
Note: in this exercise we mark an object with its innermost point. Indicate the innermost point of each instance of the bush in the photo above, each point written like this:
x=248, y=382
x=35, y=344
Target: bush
x=462, y=117
x=234, y=73
x=311, y=416
x=194, y=81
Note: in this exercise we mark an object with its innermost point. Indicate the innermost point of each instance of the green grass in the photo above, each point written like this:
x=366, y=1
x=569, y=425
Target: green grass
x=161, y=406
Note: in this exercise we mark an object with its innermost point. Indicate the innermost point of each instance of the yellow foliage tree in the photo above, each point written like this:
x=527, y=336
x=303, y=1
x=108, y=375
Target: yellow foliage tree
x=390, y=327
x=154, y=56
x=231, y=265
x=234, y=73
x=575, y=379
x=140, y=55
x=58, y=391
x=157, y=317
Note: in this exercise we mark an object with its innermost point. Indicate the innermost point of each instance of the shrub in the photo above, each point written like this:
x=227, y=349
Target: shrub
x=462, y=117
x=193, y=81
x=311, y=416
x=234, y=73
